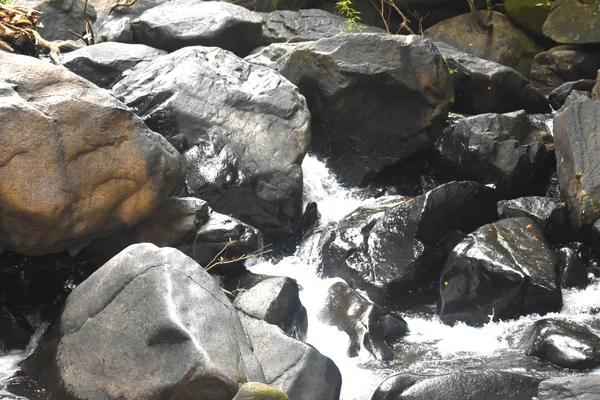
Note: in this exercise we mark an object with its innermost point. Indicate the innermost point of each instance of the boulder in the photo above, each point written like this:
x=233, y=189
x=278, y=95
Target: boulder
x=573, y=260
x=150, y=323
x=577, y=387
x=504, y=43
x=104, y=63
x=370, y=108
x=577, y=141
x=596, y=88
x=116, y=25
x=259, y=391
x=564, y=343
x=189, y=225
x=76, y=164
x=489, y=385
x=504, y=150
x=393, y=247
x=559, y=95
x=275, y=300
x=502, y=270
x=528, y=15
x=365, y=323
x=576, y=22
x=548, y=214
x=483, y=86
x=562, y=64
x=243, y=130
x=304, y=25
x=272, y=5
x=59, y=17
x=292, y=366
x=180, y=23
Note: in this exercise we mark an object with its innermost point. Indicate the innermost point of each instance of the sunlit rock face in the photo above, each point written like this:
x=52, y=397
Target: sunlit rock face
x=243, y=130
x=75, y=163
x=149, y=324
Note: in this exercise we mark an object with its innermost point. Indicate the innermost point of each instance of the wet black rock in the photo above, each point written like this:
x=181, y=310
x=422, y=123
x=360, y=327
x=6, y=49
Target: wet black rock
x=573, y=261
x=199, y=23
x=564, y=343
x=490, y=385
x=483, y=86
x=284, y=26
x=310, y=219
x=551, y=216
x=562, y=64
x=15, y=332
x=502, y=270
x=577, y=143
x=243, y=130
x=375, y=99
x=275, y=300
x=559, y=95
x=290, y=365
x=580, y=387
x=365, y=323
x=504, y=150
x=393, y=247
x=104, y=63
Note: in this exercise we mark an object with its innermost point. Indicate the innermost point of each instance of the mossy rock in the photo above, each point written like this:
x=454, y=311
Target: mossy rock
x=574, y=22
x=259, y=391
x=529, y=15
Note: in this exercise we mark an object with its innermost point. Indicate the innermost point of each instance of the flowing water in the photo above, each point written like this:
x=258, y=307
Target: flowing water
x=430, y=347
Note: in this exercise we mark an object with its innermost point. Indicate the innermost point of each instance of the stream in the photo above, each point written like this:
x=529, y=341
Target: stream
x=430, y=348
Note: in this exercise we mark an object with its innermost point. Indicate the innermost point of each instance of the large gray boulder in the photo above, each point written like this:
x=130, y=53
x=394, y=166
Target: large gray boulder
x=577, y=142
x=575, y=22
x=304, y=25
x=504, y=43
x=578, y=387
x=375, y=98
x=489, y=385
x=502, y=270
x=243, y=130
x=483, y=86
x=179, y=23
x=59, y=17
x=104, y=63
x=76, y=164
x=561, y=64
x=505, y=150
x=149, y=324
x=292, y=366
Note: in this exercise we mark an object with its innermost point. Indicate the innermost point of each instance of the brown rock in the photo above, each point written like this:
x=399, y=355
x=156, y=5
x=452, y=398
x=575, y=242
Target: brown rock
x=574, y=21
x=75, y=163
x=504, y=43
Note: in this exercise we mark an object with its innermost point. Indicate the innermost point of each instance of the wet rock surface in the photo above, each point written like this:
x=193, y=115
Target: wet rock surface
x=216, y=109
x=489, y=385
x=573, y=22
x=504, y=150
x=352, y=90
x=503, y=270
x=395, y=246
x=559, y=95
x=564, y=343
x=570, y=387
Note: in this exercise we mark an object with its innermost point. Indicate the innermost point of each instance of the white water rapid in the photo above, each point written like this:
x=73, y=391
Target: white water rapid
x=431, y=347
